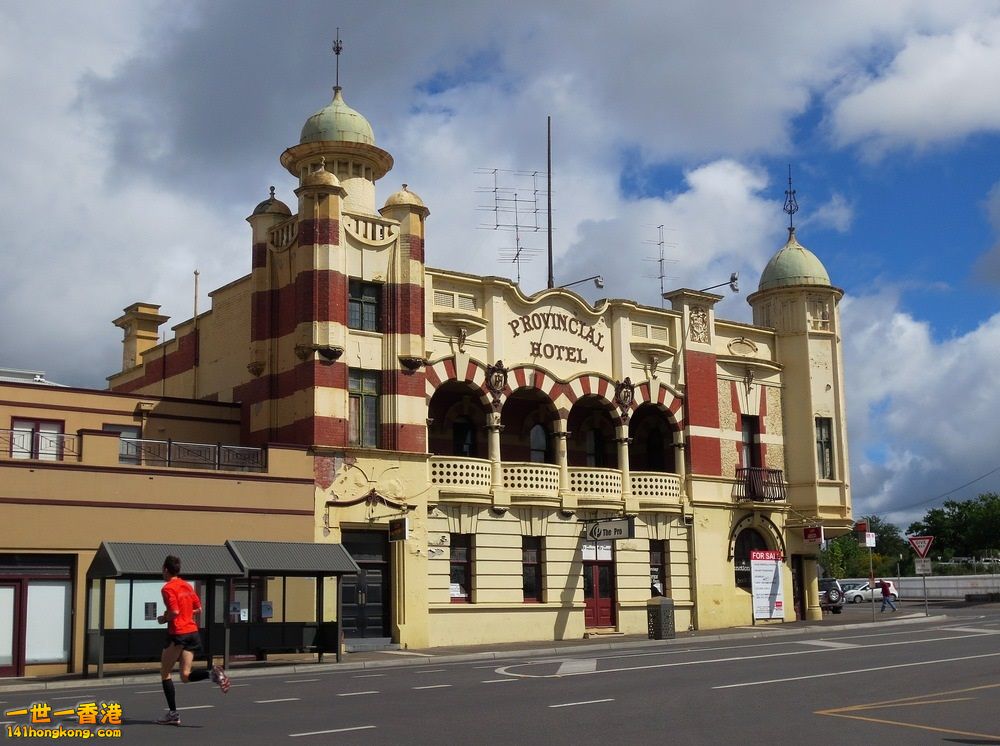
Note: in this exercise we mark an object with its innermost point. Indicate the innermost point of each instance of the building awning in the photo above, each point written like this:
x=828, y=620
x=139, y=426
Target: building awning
x=234, y=559
x=293, y=558
x=115, y=559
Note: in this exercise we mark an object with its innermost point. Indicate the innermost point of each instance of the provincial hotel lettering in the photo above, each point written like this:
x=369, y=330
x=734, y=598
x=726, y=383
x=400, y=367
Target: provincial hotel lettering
x=540, y=321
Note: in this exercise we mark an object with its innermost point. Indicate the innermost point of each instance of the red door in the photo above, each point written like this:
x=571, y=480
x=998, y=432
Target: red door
x=11, y=626
x=599, y=594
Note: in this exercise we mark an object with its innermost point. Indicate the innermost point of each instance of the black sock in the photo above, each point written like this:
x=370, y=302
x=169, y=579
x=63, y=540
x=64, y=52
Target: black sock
x=200, y=675
x=168, y=690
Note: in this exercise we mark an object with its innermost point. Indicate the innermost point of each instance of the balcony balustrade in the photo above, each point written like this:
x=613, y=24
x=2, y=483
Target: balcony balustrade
x=460, y=473
x=654, y=485
x=586, y=480
x=528, y=477
x=190, y=455
x=757, y=484
x=39, y=446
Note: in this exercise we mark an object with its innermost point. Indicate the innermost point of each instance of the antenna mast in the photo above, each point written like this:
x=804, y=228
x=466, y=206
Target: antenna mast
x=548, y=191
x=661, y=274
x=512, y=211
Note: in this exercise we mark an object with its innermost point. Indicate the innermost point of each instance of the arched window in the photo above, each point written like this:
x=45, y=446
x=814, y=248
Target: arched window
x=538, y=440
x=746, y=541
x=463, y=434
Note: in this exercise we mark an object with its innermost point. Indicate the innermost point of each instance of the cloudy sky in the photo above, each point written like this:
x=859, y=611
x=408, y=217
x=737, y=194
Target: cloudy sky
x=139, y=135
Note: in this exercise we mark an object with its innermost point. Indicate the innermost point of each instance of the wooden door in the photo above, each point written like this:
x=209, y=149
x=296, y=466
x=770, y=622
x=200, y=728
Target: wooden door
x=599, y=594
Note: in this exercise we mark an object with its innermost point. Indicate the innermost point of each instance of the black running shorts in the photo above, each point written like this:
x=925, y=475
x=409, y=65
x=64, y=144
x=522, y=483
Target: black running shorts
x=191, y=641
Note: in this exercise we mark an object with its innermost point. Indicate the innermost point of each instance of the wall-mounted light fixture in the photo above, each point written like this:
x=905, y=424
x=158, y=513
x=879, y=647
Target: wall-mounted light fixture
x=734, y=284
x=598, y=282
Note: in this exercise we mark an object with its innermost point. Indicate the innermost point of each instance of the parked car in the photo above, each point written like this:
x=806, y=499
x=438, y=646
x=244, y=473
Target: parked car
x=831, y=595
x=864, y=592
x=850, y=585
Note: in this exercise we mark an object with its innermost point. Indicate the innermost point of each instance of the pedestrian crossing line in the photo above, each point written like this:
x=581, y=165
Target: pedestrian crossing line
x=974, y=630
x=577, y=665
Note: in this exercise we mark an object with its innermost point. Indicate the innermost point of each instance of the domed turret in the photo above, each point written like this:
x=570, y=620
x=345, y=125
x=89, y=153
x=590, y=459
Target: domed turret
x=404, y=197
x=273, y=206
x=337, y=122
x=794, y=264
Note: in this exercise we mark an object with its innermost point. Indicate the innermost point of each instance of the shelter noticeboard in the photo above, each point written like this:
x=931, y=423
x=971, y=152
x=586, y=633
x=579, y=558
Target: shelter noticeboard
x=766, y=583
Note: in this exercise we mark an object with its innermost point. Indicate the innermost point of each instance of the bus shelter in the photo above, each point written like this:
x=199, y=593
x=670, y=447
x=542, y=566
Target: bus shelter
x=258, y=597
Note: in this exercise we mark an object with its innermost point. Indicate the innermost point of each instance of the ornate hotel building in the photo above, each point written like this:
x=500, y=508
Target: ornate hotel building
x=343, y=384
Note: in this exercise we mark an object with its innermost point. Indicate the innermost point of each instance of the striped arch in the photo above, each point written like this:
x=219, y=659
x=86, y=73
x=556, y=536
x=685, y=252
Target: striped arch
x=665, y=398
x=445, y=370
x=592, y=384
x=529, y=376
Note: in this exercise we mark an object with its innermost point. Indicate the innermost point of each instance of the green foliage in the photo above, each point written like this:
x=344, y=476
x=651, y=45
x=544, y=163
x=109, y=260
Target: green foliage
x=845, y=557
x=967, y=528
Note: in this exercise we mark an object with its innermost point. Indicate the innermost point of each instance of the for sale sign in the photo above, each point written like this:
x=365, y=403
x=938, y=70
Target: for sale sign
x=765, y=578
x=812, y=534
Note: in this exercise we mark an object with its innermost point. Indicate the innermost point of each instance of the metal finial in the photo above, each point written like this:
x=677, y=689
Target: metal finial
x=338, y=47
x=272, y=192
x=791, y=205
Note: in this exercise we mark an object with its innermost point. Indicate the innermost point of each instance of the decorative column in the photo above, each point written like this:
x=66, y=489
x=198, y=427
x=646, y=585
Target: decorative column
x=810, y=580
x=494, y=428
x=622, y=442
x=680, y=461
x=560, y=434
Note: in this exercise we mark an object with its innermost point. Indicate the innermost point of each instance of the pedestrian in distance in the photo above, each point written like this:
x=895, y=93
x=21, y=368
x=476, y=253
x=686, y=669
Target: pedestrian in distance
x=886, y=596
x=183, y=641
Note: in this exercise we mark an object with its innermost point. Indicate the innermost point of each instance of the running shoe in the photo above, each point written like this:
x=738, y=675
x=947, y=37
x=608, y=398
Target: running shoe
x=219, y=677
x=170, y=717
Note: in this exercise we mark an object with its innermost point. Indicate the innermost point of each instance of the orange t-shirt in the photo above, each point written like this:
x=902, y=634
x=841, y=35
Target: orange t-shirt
x=180, y=598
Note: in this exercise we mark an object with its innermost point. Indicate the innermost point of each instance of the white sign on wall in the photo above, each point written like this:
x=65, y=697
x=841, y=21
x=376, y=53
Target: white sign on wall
x=599, y=550
x=765, y=578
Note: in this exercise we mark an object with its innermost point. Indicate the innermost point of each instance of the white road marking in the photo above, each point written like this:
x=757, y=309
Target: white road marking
x=406, y=652
x=729, y=659
x=354, y=694
x=973, y=629
x=270, y=701
x=75, y=696
x=299, y=681
x=857, y=670
x=496, y=681
x=829, y=644
x=588, y=702
x=149, y=691
x=335, y=730
x=432, y=670
x=433, y=686
x=577, y=665
x=368, y=676
x=197, y=707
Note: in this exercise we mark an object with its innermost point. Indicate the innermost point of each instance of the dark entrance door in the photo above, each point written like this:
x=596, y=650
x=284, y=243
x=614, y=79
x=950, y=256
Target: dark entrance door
x=365, y=596
x=599, y=594
x=798, y=587
x=11, y=628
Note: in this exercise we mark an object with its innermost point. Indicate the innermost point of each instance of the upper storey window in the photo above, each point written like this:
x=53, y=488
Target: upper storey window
x=364, y=306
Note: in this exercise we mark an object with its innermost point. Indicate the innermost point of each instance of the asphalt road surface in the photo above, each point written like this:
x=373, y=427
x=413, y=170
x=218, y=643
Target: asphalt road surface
x=934, y=681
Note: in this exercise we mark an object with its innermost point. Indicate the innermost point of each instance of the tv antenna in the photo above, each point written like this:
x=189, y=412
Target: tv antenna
x=661, y=261
x=515, y=198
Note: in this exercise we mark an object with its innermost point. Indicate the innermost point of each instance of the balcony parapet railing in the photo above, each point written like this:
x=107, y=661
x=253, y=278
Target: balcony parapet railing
x=38, y=446
x=589, y=480
x=177, y=454
x=461, y=473
x=529, y=477
x=758, y=484
x=654, y=485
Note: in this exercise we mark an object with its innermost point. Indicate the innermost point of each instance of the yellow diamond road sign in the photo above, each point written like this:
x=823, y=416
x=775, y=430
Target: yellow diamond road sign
x=921, y=544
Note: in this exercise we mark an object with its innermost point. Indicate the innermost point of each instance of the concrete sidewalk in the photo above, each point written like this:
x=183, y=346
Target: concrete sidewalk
x=462, y=653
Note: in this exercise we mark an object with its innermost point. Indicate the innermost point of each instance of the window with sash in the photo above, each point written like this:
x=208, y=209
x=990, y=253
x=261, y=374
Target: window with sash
x=364, y=306
x=824, y=448
x=461, y=568
x=36, y=439
x=363, y=414
x=532, y=563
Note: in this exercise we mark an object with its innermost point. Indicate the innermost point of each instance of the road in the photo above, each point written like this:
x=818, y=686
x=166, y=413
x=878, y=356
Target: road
x=927, y=682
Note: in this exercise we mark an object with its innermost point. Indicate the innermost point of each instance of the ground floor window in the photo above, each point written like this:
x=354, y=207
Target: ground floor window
x=461, y=568
x=747, y=541
x=532, y=561
x=659, y=567
x=47, y=621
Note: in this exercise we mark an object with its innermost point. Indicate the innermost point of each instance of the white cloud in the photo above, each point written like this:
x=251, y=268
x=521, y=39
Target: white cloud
x=935, y=89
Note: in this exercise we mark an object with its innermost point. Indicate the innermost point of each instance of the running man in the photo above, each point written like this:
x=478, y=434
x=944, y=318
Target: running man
x=183, y=640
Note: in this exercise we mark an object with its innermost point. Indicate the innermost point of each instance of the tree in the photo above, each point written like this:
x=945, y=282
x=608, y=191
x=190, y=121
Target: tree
x=846, y=557
x=967, y=528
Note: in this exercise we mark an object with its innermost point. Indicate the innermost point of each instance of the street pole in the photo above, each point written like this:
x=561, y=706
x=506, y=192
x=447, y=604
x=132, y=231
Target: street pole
x=926, y=609
x=871, y=580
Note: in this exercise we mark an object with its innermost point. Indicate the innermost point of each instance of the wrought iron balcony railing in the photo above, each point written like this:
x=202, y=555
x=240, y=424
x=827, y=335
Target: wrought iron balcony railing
x=757, y=484
x=40, y=446
x=190, y=455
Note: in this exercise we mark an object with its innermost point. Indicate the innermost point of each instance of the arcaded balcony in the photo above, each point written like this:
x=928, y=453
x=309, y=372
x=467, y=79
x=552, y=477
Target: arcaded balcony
x=527, y=478
x=459, y=474
x=651, y=485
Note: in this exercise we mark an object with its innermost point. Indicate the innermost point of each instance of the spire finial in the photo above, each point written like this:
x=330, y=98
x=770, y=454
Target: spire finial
x=272, y=192
x=791, y=205
x=338, y=47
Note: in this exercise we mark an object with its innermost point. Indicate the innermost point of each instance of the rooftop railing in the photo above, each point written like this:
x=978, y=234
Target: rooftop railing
x=190, y=455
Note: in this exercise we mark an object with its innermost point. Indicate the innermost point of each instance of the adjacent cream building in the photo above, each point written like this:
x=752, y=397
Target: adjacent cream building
x=500, y=425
